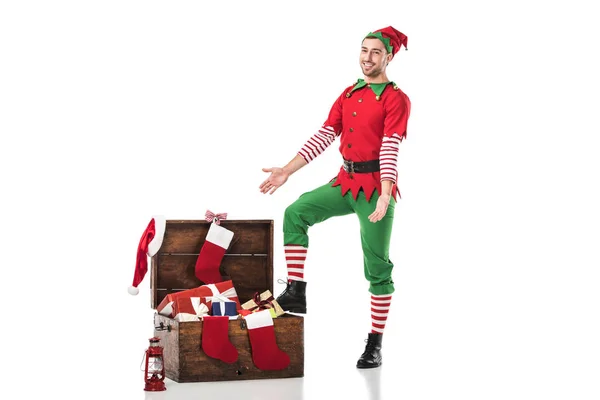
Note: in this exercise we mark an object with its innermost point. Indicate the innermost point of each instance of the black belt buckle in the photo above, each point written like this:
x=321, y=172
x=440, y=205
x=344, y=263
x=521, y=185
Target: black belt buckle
x=349, y=166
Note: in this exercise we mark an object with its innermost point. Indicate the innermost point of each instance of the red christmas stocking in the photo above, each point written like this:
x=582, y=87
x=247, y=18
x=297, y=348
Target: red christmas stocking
x=213, y=250
x=265, y=352
x=215, y=339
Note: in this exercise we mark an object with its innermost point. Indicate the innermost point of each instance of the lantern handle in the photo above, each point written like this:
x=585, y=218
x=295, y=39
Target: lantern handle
x=143, y=358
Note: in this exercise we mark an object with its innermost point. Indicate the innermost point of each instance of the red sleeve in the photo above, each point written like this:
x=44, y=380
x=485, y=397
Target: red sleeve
x=397, y=111
x=334, y=120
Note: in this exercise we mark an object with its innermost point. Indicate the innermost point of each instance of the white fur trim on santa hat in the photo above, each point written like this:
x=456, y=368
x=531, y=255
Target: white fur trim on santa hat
x=219, y=235
x=259, y=319
x=133, y=290
x=159, y=233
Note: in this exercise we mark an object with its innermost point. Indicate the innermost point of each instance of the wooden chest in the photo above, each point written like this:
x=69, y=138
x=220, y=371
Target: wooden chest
x=248, y=262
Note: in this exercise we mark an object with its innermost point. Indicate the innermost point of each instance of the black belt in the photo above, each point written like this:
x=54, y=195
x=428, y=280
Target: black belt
x=361, y=167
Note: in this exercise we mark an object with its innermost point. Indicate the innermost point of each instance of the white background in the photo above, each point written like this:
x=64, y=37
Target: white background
x=114, y=111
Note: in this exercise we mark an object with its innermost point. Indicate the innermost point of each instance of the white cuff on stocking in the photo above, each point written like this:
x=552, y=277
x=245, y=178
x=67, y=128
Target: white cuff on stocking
x=219, y=236
x=259, y=319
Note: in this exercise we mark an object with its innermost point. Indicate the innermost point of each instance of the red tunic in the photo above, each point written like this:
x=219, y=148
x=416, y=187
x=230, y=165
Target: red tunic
x=362, y=119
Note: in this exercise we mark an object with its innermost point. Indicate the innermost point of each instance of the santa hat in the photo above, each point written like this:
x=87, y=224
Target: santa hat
x=149, y=245
x=391, y=38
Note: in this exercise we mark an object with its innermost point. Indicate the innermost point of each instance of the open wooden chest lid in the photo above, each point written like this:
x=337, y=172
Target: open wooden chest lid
x=248, y=261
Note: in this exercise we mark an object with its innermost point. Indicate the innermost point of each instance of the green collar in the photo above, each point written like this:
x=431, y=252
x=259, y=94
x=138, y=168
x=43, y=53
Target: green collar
x=377, y=88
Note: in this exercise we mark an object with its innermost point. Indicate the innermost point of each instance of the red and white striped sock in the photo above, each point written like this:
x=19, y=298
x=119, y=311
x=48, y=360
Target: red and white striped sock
x=294, y=258
x=380, y=306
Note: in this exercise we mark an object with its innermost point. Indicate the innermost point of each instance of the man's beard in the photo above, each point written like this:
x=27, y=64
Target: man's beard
x=373, y=73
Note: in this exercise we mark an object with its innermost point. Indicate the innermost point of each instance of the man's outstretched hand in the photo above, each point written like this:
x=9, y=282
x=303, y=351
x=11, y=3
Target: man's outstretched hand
x=277, y=178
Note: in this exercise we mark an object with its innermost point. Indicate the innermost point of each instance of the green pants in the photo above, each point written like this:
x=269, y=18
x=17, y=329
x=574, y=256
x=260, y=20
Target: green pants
x=325, y=202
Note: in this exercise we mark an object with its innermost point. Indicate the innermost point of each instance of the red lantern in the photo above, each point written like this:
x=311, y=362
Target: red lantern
x=155, y=367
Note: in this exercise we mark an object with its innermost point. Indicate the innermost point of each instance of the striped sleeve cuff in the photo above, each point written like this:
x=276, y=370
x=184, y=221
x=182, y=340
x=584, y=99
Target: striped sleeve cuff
x=318, y=143
x=388, y=157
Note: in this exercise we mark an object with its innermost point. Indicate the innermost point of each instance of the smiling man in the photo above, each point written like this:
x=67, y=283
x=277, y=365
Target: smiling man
x=370, y=119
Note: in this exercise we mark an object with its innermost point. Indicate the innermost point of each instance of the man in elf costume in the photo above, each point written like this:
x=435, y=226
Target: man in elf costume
x=370, y=118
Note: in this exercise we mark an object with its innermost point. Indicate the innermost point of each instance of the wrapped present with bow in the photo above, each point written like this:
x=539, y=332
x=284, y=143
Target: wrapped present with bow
x=167, y=305
x=264, y=301
x=189, y=309
x=222, y=291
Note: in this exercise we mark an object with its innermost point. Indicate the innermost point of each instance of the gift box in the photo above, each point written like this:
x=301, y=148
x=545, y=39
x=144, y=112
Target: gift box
x=224, y=308
x=167, y=305
x=222, y=291
x=262, y=302
x=189, y=309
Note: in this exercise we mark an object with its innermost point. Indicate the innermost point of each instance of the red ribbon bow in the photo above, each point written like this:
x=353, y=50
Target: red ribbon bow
x=216, y=218
x=262, y=304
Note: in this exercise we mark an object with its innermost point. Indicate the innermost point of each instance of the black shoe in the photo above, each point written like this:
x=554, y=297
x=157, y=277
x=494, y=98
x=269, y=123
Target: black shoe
x=371, y=358
x=293, y=298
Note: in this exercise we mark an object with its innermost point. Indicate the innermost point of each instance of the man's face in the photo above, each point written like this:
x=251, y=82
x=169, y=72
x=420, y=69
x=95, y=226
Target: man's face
x=373, y=57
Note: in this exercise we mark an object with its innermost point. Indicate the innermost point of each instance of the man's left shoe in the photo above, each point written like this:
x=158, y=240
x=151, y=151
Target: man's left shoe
x=371, y=358
x=293, y=298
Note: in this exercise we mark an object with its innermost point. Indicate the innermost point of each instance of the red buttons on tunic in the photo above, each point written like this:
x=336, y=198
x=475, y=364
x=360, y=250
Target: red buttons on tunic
x=377, y=98
x=360, y=100
x=354, y=114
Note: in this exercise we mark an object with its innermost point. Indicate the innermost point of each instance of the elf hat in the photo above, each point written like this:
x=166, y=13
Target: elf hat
x=149, y=245
x=391, y=38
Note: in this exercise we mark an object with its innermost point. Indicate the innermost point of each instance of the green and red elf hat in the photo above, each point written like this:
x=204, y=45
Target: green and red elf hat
x=391, y=38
